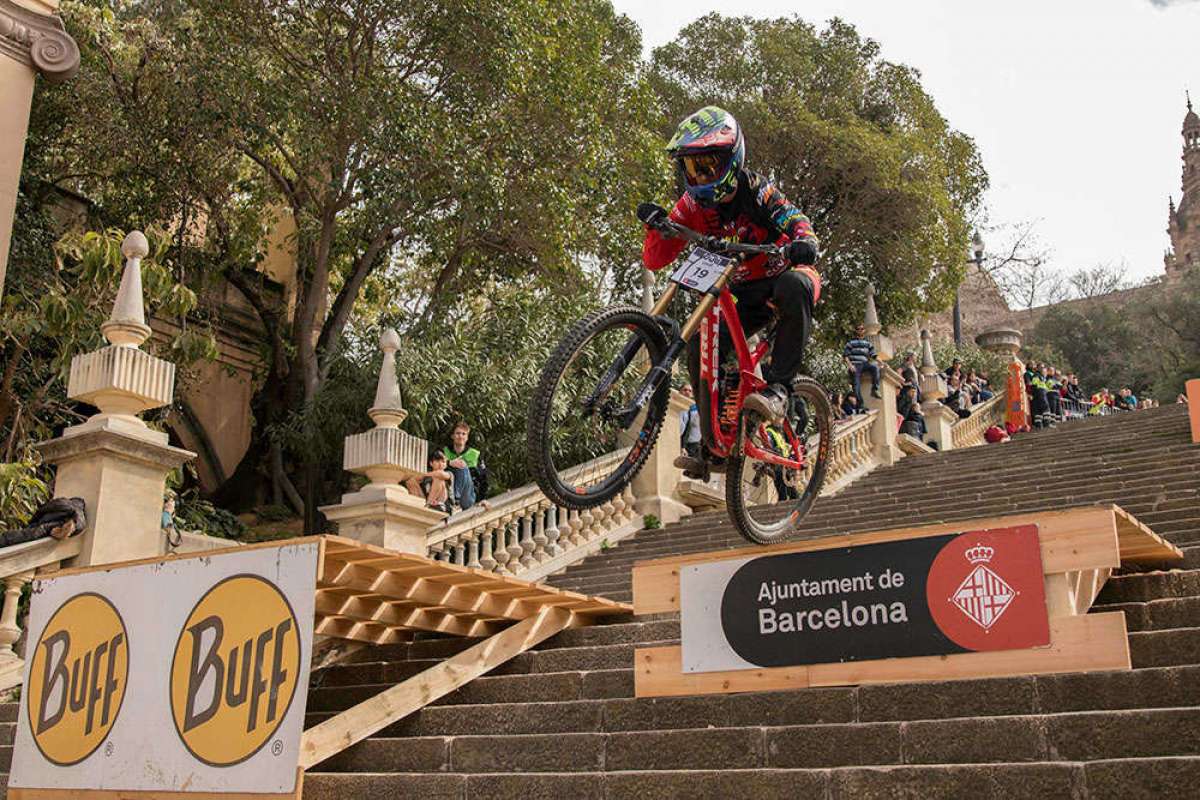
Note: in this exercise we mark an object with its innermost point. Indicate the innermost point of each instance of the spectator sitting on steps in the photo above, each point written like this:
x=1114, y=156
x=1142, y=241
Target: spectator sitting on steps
x=466, y=463
x=908, y=408
x=909, y=373
x=433, y=485
x=850, y=405
x=837, y=401
x=860, y=357
x=956, y=398
x=689, y=425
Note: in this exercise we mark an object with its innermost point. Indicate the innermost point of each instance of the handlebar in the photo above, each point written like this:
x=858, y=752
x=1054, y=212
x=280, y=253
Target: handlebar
x=656, y=217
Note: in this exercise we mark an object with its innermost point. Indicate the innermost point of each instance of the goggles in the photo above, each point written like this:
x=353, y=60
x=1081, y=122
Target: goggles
x=704, y=168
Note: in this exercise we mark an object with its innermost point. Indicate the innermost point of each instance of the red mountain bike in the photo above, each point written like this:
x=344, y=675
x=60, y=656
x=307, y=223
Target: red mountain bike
x=605, y=390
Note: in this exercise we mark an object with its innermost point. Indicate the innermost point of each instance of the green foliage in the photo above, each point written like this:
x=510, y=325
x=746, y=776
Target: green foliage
x=22, y=490
x=651, y=523
x=853, y=139
x=195, y=514
x=1151, y=344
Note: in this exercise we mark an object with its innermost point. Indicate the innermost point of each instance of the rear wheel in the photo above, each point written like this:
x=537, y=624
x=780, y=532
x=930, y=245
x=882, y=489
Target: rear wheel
x=582, y=448
x=766, y=501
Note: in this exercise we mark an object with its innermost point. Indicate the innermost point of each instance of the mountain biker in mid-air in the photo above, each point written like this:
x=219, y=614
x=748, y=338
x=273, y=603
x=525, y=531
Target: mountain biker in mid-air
x=727, y=201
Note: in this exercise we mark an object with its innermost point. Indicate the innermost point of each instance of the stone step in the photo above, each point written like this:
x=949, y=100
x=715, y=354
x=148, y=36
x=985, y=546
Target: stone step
x=1074, y=737
x=1157, y=615
x=607, y=672
x=1147, y=688
x=1096, y=780
x=1145, y=586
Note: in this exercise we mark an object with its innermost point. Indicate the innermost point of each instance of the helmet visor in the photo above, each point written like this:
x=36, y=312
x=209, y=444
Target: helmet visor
x=704, y=168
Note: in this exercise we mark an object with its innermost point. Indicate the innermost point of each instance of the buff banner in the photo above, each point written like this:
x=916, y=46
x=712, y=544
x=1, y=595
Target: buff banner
x=956, y=593
x=183, y=675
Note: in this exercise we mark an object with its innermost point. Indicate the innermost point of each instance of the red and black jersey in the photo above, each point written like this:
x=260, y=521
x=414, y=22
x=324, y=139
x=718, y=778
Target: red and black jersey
x=757, y=214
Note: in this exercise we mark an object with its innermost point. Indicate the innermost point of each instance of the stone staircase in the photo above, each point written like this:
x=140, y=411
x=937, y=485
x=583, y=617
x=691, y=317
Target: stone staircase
x=561, y=721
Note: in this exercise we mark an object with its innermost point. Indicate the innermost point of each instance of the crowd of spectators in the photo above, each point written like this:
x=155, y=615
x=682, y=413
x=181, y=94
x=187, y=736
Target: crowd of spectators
x=1056, y=397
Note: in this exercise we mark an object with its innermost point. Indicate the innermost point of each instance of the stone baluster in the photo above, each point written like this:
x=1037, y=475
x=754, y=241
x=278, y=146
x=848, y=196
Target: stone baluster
x=575, y=524
x=113, y=461
x=630, y=501
x=10, y=630
x=587, y=522
x=540, y=541
x=383, y=512
x=473, y=551
x=552, y=531
x=501, y=553
x=527, y=543
x=514, y=541
x=487, y=562
x=460, y=552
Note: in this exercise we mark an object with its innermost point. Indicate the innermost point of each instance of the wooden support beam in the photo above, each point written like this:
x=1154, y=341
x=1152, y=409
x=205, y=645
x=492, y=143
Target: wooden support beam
x=395, y=614
x=355, y=724
x=1077, y=644
x=1081, y=538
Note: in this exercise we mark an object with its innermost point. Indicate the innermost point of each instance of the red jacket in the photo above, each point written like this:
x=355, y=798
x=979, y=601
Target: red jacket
x=757, y=214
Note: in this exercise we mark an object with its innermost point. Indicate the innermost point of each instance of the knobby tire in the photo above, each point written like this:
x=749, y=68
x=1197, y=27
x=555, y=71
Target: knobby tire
x=821, y=412
x=538, y=429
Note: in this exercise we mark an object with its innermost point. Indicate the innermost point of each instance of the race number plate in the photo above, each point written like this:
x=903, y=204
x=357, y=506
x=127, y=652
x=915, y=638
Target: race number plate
x=700, y=270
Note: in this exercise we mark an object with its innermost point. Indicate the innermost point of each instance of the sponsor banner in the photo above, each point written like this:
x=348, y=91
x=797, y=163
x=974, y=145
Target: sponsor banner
x=957, y=593
x=185, y=675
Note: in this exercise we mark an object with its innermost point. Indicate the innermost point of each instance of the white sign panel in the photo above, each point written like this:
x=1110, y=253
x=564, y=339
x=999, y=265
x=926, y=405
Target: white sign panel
x=185, y=675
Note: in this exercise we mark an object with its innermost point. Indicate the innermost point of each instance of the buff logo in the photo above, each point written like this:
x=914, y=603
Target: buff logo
x=78, y=678
x=235, y=671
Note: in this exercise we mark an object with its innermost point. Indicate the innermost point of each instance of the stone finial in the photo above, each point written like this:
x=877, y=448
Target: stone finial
x=933, y=385
x=122, y=380
x=126, y=326
x=386, y=454
x=871, y=317
x=387, y=411
x=928, y=365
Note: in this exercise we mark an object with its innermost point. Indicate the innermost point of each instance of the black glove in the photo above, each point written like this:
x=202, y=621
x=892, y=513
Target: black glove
x=651, y=214
x=801, y=251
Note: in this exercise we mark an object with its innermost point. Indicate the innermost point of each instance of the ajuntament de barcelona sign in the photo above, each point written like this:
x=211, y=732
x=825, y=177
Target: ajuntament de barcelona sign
x=178, y=673
x=956, y=593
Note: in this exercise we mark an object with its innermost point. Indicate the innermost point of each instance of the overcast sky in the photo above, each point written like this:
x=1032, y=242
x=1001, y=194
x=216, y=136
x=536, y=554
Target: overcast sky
x=1075, y=105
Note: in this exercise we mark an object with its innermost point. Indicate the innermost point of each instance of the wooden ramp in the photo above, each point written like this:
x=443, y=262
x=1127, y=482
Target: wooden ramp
x=369, y=594
x=1079, y=549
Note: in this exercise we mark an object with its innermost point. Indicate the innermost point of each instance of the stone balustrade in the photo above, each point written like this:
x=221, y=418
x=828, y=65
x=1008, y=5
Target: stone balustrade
x=853, y=453
x=969, y=432
x=522, y=533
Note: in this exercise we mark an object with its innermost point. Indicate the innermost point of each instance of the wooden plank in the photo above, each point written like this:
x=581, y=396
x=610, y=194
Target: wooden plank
x=395, y=615
x=17, y=793
x=357, y=723
x=1084, y=538
x=1192, y=388
x=1077, y=644
x=1139, y=544
x=241, y=548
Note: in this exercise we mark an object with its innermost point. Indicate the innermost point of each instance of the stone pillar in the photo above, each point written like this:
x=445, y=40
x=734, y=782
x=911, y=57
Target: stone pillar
x=874, y=331
x=654, y=486
x=1007, y=342
x=886, y=429
x=113, y=461
x=383, y=512
x=32, y=41
x=1003, y=341
x=939, y=419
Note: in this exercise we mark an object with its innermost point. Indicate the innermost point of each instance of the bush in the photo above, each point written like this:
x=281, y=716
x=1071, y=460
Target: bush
x=651, y=522
x=21, y=492
x=200, y=516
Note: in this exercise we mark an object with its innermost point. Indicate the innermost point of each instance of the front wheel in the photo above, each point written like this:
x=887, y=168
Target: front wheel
x=584, y=443
x=768, y=501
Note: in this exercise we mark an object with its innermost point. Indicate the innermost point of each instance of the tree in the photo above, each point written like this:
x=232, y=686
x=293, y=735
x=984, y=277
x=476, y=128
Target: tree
x=451, y=144
x=1100, y=280
x=853, y=139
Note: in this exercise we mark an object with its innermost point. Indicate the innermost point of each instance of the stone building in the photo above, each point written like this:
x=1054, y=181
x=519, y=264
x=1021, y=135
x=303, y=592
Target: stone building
x=1183, y=225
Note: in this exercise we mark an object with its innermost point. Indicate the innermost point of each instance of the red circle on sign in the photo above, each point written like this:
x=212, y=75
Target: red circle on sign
x=985, y=590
